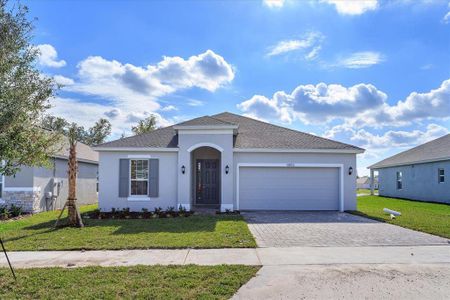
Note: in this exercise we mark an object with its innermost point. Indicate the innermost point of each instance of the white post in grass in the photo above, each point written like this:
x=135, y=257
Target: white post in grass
x=372, y=181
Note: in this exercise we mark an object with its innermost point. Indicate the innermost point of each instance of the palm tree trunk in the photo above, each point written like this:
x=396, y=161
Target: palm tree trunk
x=74, y=214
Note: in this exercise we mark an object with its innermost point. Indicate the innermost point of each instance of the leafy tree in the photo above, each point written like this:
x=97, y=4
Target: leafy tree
x=98, y=133
x=146, y=125
x=24, y=95
x=56, y=124
x=95, y=135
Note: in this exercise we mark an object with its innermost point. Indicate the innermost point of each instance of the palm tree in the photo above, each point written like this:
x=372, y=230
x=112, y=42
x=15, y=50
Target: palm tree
x=74, y=217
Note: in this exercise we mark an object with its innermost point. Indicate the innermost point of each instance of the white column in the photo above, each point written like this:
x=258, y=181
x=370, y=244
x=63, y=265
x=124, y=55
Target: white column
x=372, y=181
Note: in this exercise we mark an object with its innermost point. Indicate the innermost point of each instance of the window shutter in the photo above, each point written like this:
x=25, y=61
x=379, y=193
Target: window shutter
x=153, y=178
x=124, y=177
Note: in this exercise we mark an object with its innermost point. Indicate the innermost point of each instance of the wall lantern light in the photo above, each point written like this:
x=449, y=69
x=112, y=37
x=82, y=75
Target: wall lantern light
x=227, y=169
x=183, y=169
x=350, y=171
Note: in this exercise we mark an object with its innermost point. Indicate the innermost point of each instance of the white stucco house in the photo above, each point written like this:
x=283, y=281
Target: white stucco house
x=38, y=189
x=229, y=162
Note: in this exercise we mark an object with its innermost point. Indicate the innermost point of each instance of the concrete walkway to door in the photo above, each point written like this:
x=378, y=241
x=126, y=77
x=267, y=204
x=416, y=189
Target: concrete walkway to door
x=330, y=229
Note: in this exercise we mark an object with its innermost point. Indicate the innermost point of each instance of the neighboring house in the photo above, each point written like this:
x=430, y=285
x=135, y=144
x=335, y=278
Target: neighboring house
x=229, y=162
x=421, y=173
x=38, y=189
x=364, y=182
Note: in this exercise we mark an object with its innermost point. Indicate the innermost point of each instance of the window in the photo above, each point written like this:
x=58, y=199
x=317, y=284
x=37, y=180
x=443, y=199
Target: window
x=399, y=180
x=139, y=177
x=441, y=175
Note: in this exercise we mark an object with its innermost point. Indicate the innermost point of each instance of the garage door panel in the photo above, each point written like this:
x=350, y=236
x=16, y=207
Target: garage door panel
x=277, y=188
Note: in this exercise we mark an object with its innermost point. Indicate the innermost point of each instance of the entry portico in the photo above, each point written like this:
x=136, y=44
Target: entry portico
x=195, y=141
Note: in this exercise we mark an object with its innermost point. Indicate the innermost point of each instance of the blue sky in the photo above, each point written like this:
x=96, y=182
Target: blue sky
x=375, y=74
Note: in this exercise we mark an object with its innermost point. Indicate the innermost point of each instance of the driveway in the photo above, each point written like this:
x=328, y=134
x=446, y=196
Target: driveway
x=398, y=281
x=330, y=229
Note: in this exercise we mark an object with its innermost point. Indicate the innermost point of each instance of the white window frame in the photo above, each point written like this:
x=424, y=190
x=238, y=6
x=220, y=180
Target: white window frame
x=143, y=196
x=441, y=176
x=399, y=179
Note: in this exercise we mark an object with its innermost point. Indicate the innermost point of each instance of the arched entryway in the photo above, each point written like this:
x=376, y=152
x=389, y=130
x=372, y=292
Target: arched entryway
x=206, y=181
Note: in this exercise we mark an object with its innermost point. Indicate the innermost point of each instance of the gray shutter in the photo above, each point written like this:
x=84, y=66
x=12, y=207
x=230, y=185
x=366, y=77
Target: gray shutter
x=124, y=177
x=153, y=178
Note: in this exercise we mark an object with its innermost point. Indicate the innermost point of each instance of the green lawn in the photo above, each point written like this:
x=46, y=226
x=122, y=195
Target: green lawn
x=37, y=233
x=365, y=191
x=422, y=216
x=149, y=282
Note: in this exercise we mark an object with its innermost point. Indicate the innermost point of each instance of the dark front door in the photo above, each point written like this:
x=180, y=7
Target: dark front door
x=207, y=181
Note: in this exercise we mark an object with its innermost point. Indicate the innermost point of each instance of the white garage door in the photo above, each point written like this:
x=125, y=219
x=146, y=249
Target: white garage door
x=279, y=188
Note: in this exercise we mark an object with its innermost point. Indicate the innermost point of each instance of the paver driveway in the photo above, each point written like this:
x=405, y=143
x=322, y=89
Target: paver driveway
x=322, y=229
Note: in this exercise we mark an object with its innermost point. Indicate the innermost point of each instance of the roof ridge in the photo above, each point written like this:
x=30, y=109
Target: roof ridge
x=286, y=128
x=133, y=136
x=409, y=150
x=231, y=123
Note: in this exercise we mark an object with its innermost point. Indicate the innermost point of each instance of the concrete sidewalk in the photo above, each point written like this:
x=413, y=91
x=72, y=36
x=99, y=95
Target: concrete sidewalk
x=258, y=256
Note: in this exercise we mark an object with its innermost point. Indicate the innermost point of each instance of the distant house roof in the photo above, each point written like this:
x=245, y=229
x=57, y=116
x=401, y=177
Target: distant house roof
x=84, y=152
x=362, y=180
x=435, y=150
x=250, y=134
x=365, y=180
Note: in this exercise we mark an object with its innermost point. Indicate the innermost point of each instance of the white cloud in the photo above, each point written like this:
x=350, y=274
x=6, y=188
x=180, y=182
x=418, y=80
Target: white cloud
x=134, y=86
x=48, y=57
x=314, y=53
x=62, y=80
x=195, y=102
x=360, y=60
x=263, y=108
x=128, y=92
x=274, y=3
x=419, y=106
x=391, y=138
x=169, y=108
x=310, y=42
x=446, y=18
x=315, y=104
x=357, y=106
x=353, y=7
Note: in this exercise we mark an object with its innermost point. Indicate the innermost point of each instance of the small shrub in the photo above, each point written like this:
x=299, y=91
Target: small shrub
x=4, y=212
x=15, y=211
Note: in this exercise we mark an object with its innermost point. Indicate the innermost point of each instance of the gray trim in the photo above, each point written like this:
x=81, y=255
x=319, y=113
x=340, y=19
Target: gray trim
x=124, y=177
x=153, y=178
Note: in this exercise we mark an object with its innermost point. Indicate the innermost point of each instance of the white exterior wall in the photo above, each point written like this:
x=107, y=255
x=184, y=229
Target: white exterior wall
x=175, y=188
x=109, y=181
x=223, y=142
x=348, y=160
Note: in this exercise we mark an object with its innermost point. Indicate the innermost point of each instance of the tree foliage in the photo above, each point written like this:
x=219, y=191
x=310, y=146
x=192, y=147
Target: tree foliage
x=146, y=125
x=95, y=135
x=24, y=95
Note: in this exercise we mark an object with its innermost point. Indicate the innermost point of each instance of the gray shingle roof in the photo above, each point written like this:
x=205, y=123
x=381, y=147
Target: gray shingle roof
x=251, y=133
x=435, y=150
x=84, y=152
x=204, y=121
